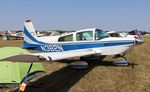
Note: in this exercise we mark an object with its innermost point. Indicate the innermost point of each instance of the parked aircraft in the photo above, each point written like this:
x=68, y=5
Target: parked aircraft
x=8, y=35
x=76, y=44
x=123, y=34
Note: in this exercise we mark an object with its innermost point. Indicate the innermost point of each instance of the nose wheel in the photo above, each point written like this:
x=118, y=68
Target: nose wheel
x=123, y=62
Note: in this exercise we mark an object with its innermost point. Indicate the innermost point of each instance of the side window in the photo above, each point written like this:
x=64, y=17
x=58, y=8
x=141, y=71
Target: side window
x=84, y=36
x=66, y=38
x=100, y=34
x=114, y=35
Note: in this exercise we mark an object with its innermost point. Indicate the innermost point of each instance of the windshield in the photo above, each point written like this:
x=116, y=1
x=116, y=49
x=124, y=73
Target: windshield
x=100, y=34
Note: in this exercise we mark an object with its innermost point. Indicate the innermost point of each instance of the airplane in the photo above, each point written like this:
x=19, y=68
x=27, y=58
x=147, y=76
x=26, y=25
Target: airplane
x=123, y=34
x=8, y=35
x=40, y=34
x=80, y=43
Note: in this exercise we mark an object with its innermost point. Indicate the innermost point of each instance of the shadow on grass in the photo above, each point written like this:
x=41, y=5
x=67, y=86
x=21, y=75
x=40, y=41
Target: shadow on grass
x=63, y=79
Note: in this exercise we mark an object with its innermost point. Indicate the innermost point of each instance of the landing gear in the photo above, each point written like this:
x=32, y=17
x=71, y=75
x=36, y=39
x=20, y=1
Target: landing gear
x=96, y=57
x=121, y=62
x=125, y=62
x=85, y=61
x=123, y=56
x=79, y=65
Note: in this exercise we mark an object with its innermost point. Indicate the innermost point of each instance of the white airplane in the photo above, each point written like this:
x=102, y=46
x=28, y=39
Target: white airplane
x=8, y=35
x=123, y=34
x=77, y=44
x=40, y=34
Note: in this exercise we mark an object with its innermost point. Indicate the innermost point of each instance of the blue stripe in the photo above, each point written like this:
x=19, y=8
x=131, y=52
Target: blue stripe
x=75, y=46
x=93, y=45
x=28, y=45
x=31, y=37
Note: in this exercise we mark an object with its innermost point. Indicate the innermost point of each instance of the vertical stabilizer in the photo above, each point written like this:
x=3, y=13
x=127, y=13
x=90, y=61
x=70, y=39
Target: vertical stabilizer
x=9, y=32
x=28, y=27
x=30, y=36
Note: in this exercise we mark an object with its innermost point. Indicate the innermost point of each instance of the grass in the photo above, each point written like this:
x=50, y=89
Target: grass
x=98, y=77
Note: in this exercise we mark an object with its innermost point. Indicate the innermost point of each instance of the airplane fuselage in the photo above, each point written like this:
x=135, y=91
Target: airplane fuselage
x=79, y=40
x=106, y=47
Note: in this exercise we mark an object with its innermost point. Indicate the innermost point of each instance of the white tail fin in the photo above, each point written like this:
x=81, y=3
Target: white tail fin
x=9, y=32
x=28, y=26
x=30, y=36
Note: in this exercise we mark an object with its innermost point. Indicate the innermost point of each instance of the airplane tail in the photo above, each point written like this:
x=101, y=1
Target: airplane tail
x=9, y=32
x=30, y=36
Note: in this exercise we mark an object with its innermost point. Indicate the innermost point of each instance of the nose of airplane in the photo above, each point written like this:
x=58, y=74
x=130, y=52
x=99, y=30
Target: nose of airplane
x=139, y=41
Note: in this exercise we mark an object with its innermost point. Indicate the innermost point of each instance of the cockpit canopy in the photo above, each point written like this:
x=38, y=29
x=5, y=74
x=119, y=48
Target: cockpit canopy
x=85, y=35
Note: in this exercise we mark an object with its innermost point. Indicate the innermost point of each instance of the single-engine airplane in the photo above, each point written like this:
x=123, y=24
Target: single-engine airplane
x=77, y=44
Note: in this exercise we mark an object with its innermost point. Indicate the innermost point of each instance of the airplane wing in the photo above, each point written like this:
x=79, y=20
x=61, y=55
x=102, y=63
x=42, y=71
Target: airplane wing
x=50, y=56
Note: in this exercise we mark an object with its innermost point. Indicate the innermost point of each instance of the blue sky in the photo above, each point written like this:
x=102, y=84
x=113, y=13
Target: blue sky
x=115, y=15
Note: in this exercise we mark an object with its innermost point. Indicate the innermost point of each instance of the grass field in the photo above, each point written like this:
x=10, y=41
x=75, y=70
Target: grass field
x=98, y=77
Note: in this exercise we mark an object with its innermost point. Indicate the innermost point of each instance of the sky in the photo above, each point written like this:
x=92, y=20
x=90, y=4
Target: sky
x=110, y=15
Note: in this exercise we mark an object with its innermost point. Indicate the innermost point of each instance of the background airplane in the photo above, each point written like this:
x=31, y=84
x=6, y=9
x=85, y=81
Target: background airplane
x=8, y=35
x=139, y=40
